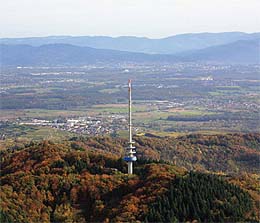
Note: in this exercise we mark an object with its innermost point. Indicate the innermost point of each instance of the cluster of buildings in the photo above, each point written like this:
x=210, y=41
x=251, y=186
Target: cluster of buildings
x=99, y=125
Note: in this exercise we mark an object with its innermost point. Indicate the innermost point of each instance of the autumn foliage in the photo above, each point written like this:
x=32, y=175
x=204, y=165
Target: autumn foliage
x=84, y=180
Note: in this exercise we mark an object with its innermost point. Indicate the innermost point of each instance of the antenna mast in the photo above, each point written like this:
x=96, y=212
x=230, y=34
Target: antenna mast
x=130, y=158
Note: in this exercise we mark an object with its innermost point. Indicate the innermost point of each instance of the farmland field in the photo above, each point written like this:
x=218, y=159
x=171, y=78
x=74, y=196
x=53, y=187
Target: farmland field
x=165, y=101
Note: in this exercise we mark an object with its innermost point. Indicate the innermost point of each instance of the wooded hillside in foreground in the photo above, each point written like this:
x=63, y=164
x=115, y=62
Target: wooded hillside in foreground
x=83, y=180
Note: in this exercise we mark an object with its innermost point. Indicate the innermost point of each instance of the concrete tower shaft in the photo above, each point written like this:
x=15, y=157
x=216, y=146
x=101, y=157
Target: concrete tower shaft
x=130, y=158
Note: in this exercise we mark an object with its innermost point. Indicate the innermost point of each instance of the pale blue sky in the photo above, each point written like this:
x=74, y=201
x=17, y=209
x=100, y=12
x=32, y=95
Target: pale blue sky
x=151, y=18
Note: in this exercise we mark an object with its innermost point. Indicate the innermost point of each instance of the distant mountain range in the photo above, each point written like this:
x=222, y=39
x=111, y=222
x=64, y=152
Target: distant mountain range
x=243, y=51
x=169, y=45
x=65, y=54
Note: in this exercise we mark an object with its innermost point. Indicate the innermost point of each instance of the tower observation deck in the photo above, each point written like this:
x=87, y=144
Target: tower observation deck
x=130, y=157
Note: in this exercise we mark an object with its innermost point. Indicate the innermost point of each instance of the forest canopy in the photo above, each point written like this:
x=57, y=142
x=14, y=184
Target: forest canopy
x=84, y=180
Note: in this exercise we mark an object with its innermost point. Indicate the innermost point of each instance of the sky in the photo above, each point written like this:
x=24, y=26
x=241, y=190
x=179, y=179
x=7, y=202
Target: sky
x=149, y=18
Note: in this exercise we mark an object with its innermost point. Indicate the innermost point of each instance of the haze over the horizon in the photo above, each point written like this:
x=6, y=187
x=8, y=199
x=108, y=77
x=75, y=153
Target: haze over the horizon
x=150, y=18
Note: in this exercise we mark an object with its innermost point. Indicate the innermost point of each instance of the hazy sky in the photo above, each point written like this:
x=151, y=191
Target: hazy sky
x=151, y=18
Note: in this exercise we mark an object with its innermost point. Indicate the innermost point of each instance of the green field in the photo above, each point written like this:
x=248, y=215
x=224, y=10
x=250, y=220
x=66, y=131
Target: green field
x=17, y=134
x=148, y=116
x=109, y=90
x=39, y=113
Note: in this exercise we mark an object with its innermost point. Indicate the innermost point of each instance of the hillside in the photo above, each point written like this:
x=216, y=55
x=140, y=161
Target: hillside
x=242, y=51
x=230, y=153
x=64, y=54
x=169, y=45
x=50, y=182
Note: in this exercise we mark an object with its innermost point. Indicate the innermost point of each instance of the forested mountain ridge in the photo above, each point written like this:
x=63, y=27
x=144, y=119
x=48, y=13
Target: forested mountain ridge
x=229, y=153
x=168, y=45
x=240, y=52
x=66, y=54
x=76, y=182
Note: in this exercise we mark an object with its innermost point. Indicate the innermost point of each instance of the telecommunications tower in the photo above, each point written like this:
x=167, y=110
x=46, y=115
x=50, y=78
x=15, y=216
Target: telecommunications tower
x=130, y=157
